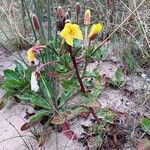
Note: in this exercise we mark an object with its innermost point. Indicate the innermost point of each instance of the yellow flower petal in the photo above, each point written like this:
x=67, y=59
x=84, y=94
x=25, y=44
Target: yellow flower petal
x=95, y=29
x=77, y=32
x=30, y=55
x=69, y=39
x=70, y=32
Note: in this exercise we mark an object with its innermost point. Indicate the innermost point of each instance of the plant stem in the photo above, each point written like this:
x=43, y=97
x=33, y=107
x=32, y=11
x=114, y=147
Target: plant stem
x=80, y=82
x=86, y=57
x=91, y=110
x=49, y=19
x=76, y=69
x=94, y=114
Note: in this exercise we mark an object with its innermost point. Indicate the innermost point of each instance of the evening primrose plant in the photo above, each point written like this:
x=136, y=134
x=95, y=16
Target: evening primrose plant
x=58, y=68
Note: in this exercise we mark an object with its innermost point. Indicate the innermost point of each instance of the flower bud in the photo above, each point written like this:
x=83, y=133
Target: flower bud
x=95, y=29
x=110, y=2
x=77, y=8
x=87, y=17
x=60, y=12
x=34, y=82
x=35, y=22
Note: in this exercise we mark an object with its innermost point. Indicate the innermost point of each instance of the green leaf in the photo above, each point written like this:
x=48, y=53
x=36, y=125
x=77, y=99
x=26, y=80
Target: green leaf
x=38, y=115
x=100, y=53
x=93, y=74
x=19, y=68
x=97, y=89
x=11, y=75
x=40, y=102
x=1, y=83
x=9, y=93
x=28, y=73
x=14, y=84
x=67, y=94
x=105, y=114
x=94, y=142
x=89, y=100
x=145, y=124
x=26, y=96
x=69, y=83
x=70, y=88
x=45, y=88
x=2, y=104
x=118, y=76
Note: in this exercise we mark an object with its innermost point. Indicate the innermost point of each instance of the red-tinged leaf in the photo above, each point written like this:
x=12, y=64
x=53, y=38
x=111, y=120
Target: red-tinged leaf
x=67, y=132
x=59, y=119
x=25, y=126
x=66, y=126
x=52, y=74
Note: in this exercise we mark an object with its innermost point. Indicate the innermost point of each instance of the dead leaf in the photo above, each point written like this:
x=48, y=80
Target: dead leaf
x=25, y=126
x=67, y=132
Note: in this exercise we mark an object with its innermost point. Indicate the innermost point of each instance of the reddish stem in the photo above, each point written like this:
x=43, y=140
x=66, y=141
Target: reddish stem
x=76, y=69
x=80, y=81
x=94, y=115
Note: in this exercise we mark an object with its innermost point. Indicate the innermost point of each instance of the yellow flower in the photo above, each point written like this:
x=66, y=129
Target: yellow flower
x=95, y=29
x=30, y=55
x=70, y=32
x=87, y=17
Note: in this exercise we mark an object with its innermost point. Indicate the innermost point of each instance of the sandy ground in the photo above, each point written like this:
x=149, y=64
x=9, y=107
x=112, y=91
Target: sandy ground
x=12, y=116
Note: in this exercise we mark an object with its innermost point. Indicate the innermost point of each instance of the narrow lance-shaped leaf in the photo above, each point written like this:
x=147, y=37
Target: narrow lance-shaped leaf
x=40, y=102
x=11, y=75
x=45, y=90
x=38, y=115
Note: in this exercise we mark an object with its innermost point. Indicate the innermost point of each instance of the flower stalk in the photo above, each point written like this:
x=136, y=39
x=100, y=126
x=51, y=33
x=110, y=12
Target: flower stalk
x=76, y=69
